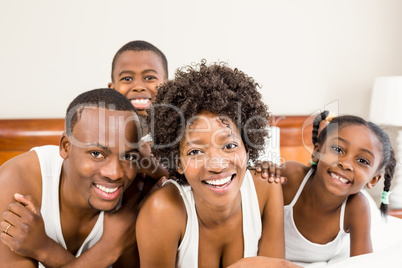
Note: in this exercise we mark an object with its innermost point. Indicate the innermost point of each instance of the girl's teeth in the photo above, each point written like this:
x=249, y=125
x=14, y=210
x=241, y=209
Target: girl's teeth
x=106, y=190
x=345, y=181
x=140, y=101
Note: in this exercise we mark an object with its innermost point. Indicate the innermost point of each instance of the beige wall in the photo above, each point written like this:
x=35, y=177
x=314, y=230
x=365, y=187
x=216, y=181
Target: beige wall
x=305, y=54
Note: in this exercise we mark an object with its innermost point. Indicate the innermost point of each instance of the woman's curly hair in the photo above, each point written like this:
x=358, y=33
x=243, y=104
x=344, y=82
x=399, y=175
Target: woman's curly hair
x=215, y=88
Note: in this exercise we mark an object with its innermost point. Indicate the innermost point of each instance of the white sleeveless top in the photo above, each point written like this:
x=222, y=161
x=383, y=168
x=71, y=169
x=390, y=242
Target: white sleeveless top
x=50, y=165
x=298, y=248
x=252, y=226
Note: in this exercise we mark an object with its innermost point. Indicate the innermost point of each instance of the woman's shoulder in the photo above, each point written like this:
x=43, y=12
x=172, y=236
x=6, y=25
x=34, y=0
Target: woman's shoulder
x=166, y=198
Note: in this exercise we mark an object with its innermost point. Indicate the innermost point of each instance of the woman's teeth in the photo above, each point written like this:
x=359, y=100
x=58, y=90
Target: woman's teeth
x=106, y=190
x=343, y=180
x=220, y=182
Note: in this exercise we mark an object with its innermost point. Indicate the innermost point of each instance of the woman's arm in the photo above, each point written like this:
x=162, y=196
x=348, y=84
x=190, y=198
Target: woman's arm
x=160, y=227
x=358, y=224
x=270, y=197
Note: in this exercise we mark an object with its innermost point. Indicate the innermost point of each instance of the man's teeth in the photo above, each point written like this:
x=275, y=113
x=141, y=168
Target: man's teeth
x=343, y=180
x=140, y=101
x=106, y=190
x=219, y=182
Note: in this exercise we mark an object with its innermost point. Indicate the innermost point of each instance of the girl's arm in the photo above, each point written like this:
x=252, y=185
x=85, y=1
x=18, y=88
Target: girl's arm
x=270, y=197
x=358, y=223
x=160, y=226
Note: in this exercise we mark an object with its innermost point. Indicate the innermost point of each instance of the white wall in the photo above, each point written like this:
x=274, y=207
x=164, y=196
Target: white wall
x=305, y=54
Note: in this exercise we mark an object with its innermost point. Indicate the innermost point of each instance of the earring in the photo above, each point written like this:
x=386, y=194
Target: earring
x=313, y=162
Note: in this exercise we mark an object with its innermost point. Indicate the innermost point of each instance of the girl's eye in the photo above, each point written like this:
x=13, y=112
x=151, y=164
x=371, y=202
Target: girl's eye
x=131, y=157
x=337, y=149
x=194, y=152
x=363, y=161
x=97, y=154
x=230, y=146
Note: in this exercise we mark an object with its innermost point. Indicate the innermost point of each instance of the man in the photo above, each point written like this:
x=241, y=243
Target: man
x=71, y=187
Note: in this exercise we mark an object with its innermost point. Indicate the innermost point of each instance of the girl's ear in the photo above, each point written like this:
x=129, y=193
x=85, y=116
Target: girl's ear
x=373, y=181
x=64, y=146
x=315, y=156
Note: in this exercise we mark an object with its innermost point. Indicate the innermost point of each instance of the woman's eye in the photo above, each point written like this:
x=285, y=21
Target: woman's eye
x=230, y=146
x=194, y=152
x=97, y=155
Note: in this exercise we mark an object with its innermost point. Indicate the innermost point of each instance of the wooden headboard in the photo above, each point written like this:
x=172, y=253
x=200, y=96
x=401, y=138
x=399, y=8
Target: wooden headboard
x=20, y=135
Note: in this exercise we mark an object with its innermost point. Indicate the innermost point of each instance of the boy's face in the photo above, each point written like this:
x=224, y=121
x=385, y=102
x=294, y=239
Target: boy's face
x=136, y=75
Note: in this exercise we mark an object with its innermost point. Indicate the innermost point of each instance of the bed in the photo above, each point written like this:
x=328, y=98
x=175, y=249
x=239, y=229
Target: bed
x=291, y=140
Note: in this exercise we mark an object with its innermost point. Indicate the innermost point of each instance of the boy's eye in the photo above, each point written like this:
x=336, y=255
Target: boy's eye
x=194, y=152
x=131, y=157
x=127, y=79
x=150, y=77
x=97, y=154
x=230, y=146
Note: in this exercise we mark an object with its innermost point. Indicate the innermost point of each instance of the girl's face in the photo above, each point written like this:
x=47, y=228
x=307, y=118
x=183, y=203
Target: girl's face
x=349, y=159
x=213, y=159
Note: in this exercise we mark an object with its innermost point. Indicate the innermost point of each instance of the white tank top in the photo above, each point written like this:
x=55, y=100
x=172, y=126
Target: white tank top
x=252, y=226
x=50, y=165
x=298, y=248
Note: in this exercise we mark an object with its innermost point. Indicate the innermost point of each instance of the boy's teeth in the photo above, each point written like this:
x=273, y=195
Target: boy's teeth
x=219, y=182
x=106, y=190
x=140, y=101
x=343, y=180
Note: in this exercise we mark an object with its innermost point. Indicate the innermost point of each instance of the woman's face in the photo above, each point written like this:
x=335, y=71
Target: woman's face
x=213, y=158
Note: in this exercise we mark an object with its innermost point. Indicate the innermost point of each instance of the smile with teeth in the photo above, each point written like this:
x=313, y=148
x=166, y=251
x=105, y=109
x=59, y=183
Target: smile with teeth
x=105, y=189
x=341, y=179
x=219, y=183
x=140, y=101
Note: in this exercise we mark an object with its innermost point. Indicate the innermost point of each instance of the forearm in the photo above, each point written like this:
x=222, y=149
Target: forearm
x=100, y=255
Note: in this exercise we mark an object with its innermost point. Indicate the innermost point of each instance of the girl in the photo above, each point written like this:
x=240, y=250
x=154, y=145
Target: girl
x=324, y=207
x=214, y=212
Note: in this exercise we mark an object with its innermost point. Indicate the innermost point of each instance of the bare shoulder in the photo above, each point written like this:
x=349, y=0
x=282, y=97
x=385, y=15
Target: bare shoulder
x=21, y=174
x=164, y=204
x=357, y=210
x=295, y=173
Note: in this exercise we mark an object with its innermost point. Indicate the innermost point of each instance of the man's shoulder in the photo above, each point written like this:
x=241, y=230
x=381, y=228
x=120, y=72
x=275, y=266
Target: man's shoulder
x=21, y=174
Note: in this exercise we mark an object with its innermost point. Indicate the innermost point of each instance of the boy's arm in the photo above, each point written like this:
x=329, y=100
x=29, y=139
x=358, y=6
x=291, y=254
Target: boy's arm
x=358, y=223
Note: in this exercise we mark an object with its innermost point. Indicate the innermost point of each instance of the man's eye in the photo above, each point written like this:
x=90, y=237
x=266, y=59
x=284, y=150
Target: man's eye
x=131, y=157
x=97, y=154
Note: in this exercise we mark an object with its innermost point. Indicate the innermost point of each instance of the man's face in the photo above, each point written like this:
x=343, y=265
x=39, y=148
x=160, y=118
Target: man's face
x=100, y=157
x=136, y=75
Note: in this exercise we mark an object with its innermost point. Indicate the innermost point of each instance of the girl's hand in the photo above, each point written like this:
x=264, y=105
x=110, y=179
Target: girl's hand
x=270, y=171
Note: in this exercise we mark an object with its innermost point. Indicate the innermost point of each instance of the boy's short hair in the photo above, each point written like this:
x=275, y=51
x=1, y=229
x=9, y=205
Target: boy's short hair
x=140, y=45
x=99, y=98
